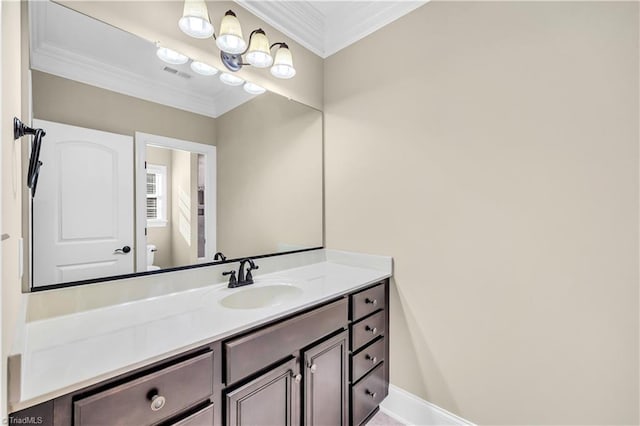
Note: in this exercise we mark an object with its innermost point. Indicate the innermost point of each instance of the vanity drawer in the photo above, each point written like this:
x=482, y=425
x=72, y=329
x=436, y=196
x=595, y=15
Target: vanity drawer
x=366, y=330
x=367, y=301
x=367, y=394
x=182, y=385
x=366, y=359
x=248, y=354
x=199, y=418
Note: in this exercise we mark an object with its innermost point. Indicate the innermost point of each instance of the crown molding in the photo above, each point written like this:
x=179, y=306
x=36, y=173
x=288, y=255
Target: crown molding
x=299, y=20
x=328, y=27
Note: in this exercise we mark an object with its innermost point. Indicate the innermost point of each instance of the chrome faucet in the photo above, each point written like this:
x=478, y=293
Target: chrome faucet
x=244, y=278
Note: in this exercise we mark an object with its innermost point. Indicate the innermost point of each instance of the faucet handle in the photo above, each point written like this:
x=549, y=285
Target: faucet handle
x=232, y=279
x=249, y=276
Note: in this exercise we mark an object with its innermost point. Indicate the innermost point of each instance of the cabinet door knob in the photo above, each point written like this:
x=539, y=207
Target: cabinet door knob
x=371, y=394
x=373, y=330
x=297, y=378
x=373, y=302
x=157, y=401
x=373, y=359
x=313, y=368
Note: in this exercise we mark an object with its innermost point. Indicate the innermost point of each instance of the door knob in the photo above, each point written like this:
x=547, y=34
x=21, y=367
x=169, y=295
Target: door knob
x=297, y=378
x=313, y=368
x=123, y=250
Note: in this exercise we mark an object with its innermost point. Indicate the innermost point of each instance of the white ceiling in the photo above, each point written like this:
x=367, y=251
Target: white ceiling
x=325, y=27
x=71, y=45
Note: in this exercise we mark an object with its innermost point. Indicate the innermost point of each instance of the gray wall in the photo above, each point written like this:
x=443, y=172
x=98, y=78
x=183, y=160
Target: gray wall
x=269, y=177
x=69, y=102
x=495, y=156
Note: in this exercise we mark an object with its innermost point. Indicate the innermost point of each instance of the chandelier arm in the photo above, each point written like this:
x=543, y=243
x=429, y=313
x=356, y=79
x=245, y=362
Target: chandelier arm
x=249, y=43
x=279, y=44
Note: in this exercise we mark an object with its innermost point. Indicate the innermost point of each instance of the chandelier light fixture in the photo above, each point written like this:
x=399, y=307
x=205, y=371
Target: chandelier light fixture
x=235, y=52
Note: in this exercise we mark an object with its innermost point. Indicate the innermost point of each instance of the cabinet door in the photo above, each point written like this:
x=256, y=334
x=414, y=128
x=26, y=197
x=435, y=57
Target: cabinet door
x=269, y=400
x=325, y=377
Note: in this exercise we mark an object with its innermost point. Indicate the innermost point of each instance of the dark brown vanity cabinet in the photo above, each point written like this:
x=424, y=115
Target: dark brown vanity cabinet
x=369, y=351
x=326, y=382
x=151, y=398
x=270, y=399
x=311, y=384
x=327, y=365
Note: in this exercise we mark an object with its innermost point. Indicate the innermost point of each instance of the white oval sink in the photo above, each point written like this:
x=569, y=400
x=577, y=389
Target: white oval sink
x=261, y=297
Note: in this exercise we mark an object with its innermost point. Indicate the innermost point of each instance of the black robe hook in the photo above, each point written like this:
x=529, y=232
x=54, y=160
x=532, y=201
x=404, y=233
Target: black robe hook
x=19, y=130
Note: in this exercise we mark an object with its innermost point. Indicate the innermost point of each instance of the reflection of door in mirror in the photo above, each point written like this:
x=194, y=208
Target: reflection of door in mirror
x=83, y=210
x=175, y=202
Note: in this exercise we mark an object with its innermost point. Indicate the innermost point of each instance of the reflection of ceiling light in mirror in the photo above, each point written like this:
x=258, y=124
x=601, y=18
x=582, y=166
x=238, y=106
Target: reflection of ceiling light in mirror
x=203, y=69
x=195, y=19
x=230, y=79
x=253, y=88
x=171, y=56
x=283, y=63
x=230, y=39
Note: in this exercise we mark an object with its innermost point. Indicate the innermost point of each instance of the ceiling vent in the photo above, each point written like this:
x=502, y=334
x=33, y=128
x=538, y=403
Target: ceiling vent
x=176, y=72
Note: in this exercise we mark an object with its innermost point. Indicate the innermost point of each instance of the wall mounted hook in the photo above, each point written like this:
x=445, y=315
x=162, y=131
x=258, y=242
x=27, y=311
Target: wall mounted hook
x=20, y=129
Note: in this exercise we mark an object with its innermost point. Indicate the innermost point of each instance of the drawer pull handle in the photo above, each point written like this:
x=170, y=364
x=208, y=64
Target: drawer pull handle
x=313, y=368
x=297, y=378
x=373, y=330
x=373, y=359
x=373, y=302
x=371, y=394
x=157, y=401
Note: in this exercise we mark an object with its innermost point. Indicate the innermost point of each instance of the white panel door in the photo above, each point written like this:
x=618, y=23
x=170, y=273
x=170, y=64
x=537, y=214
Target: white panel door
x=83, y=208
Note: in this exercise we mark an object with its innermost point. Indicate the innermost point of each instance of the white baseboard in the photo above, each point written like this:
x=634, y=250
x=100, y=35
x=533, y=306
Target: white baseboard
x=409, y=409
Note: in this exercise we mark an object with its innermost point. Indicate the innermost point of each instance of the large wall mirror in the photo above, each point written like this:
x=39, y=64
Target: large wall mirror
x=148, y=166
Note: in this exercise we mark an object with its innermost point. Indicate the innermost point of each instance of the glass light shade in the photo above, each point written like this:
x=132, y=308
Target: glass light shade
x=259, y=54
x=283, y=64
x=195, y=19
x=230, y=38
x=253, y=88
x=203, y=69
x=170, y=56
x=230, y=79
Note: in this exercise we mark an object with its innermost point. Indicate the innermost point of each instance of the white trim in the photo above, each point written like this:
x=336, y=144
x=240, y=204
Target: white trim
x=209, y=151
x=298, y=20
x=325, y=32
x=3, y=350
x=410, y=409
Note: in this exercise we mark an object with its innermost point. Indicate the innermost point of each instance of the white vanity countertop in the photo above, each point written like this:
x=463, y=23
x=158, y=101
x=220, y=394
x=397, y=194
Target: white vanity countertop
x=66, y=353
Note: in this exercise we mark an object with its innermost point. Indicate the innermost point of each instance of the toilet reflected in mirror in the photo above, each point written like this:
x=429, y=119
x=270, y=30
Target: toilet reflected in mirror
x=151, y=254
